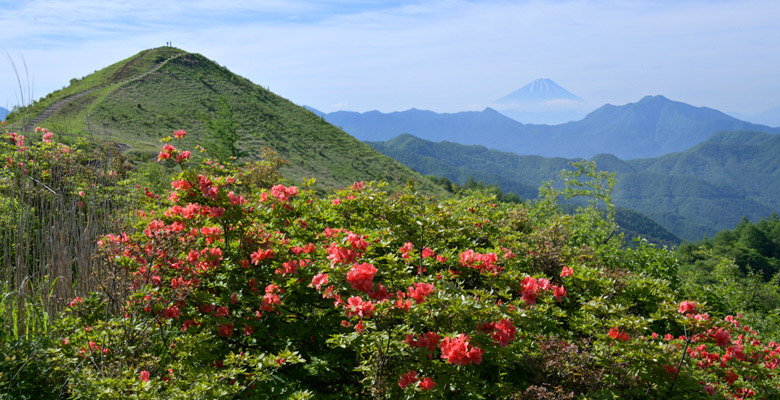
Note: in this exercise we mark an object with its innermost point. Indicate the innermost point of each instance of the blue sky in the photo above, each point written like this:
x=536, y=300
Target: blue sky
x=445, y=55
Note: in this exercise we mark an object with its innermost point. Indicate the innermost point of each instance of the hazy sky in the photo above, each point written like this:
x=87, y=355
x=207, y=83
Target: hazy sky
x=445, y=55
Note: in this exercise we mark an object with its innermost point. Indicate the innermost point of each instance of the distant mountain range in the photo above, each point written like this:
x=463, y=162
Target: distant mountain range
x=652, y=127
x=3, y=113
x=694, y=193
x=769, y=117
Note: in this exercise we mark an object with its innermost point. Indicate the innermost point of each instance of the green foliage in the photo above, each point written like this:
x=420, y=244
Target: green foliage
x=737, y=272
x=223, y=138
x=227, y=291
x=753, y=247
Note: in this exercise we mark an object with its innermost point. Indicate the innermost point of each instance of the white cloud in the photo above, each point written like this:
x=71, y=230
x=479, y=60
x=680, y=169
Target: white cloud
x=444, y=55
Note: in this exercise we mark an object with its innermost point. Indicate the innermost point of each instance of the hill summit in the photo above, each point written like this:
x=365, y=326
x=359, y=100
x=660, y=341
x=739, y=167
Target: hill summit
x=143, y=98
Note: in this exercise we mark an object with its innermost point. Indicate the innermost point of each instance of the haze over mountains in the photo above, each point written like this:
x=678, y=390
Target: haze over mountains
x=3, y=113
x=769, y=117
x=651, y=127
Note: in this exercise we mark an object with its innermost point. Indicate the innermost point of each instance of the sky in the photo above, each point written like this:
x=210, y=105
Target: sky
x=439, y=55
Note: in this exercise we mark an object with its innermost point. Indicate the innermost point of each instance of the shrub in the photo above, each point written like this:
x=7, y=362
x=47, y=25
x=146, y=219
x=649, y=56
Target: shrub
x=280, y=292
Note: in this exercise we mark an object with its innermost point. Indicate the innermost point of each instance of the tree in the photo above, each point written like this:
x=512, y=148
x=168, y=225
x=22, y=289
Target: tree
x=223, y=133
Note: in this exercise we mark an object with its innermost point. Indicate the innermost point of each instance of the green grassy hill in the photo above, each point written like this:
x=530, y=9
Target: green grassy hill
x=141, y=99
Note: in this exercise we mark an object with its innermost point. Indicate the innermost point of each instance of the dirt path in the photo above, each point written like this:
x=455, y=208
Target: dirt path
x=56, y=106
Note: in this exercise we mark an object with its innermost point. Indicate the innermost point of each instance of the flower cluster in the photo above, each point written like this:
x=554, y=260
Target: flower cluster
x=420, y=291
x=485, y=263
x=410, y=377
x=427, y=340
x=361, y=277
x=503, y=331
x=531, y=287
x=457, y=350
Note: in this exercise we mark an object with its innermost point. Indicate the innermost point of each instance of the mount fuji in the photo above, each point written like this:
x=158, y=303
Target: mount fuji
x=540, y=90
x=542, y=102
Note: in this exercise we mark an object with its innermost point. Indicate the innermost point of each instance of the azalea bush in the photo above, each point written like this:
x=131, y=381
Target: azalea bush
x=235, y=291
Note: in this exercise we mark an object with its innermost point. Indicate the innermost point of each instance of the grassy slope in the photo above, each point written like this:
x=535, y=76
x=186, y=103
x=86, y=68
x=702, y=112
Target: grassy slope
x=187, y=90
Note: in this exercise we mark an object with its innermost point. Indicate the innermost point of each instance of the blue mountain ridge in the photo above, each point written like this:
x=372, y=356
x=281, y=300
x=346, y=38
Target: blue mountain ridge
x=651, y=127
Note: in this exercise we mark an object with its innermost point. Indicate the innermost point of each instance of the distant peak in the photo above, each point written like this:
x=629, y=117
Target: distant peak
x=543, y=85
x=543, y=89
x=656, y=97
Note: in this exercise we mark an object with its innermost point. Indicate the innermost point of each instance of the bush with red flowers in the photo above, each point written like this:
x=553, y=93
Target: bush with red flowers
x=282, y=293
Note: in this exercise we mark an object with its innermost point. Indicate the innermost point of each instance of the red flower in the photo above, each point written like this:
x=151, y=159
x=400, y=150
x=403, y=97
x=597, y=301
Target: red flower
x=76, y=301
x=616, y=334
x=361, y=277
x=566, y=271
x=226, y=330
x=358, y=242
x=407, y=379
x=184, y=155
x=420, y=291
x=170, y=312
x=260, y=255
x=426, y=383
x=284, y=193
x=144, y=376
x=341, y=255
x=458, y=351
x=687, y=307
x=504, y=332
x=722, y=337
x=481, y=262
x=405, y=249
x=271, y=298
x=427, y=340
x=357, y=307
x=529, y=291
x=558, y=292
x=180, y=134
x=319, y=280
x=288, y=267
x=427, y=252
x=730, y=377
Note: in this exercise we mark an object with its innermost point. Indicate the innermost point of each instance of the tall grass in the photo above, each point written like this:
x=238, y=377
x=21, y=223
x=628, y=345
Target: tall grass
x=51, y=214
